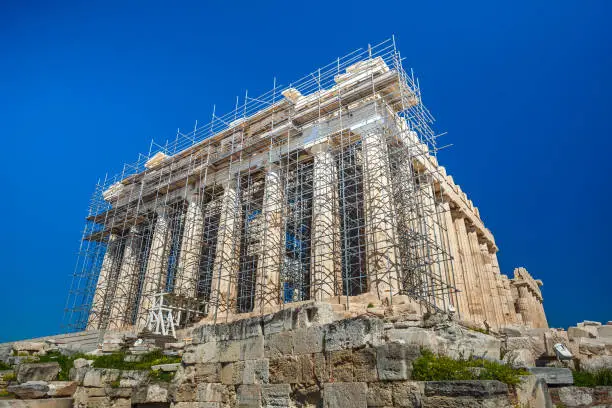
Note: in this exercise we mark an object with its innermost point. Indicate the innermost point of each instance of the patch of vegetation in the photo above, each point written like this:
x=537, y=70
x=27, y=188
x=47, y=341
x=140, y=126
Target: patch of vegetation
x=65, y=362
x=116, y=360
x=585, y=379
x=9, y=377
x=159, y=375
x=479, y=330
x=370, y=305
x=115, y=384
x=431, y=367
x=4, y=366
x=6, y=394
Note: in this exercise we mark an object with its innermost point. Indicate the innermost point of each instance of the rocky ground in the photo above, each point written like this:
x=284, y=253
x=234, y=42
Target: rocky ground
x=312, y=355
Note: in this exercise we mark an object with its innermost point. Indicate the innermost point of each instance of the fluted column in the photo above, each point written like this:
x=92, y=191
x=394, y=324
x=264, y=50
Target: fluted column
x=223, y=285
x=457, y=265
x=268, y=290
x=157, y=266
x=127, y=282
x=381, y=258
x=326, y=272
x=186, y=281
x=102, y=295
x=473, y=296
x=491, y=293
x=482, y=284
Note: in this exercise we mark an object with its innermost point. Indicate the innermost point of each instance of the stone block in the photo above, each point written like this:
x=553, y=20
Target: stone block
x=101, y=377
x=605, y=331
x=276, y=395
x=166, y=367
x=249, y=396
x=151, y=394
x=321, y=368
x=229, y=351
x=364, y=365
x=252, y=348
x=278, y=322
x=28, y=346
x=353, y=395
x=232, y=373
x=61, y=388
x=457, y=342
x=308, y=340
x=38, y=372
x=519, y=358
x=82, y=363
x=394, y=361
x=407, y=393
x=256, y=372
x=341, y=363
x=533, y=392
x=353, y=333
x=591, y=347
x=575, y=396
x=589, y=323
x=278, y=344
x=414, y=335
x=533, y=344
x=284, y=370
x=207, y=373
x=575, y=333
x=380, y=394
x=595, y=363
x=212, y=392
x=471, y=388
x=307, y=369
x=30, y=389
x=553, y=375
x=40, y=403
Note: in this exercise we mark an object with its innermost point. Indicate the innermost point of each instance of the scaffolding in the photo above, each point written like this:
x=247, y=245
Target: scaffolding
x=319, y=190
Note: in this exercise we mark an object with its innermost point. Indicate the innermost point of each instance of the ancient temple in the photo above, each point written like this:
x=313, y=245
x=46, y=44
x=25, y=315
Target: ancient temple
x=325, y=190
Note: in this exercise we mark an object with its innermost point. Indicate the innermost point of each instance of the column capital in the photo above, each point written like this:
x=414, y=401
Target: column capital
x=319, y=148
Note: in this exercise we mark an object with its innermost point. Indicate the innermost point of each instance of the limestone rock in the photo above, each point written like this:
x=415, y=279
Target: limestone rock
x=575, y=396
x=577, y=332
x=414, y=335
x=457, y=342
x=476, y=388
x=596, y=363
x=62, y=388
x=81, y=363
x=37, y=372
x=553, y=375
x=605, y=331
x=353, y=333
x=519, y=358
x=534, y=344
x=166, y=367
x=533, y=392
x=30, y=389
x=589, y=323
x=156, y=393
x=29, y=346
x=276, y=395
x=353, y=395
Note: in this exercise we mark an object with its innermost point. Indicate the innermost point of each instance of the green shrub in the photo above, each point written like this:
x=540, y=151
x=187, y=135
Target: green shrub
x=159, y=375
x=9, y=377
x=431, y=367
x=585, y=379
x=65, y=362
x=6, y=394
x=116, y=360
x=4, y=366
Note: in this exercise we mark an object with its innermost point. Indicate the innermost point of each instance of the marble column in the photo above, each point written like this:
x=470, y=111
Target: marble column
x=224, y=281
x=492, y=293
x=381, y=240
x=473, y=297
x=268, y=289
x=102, y=295
x=482, y=284
x=157, y=266
x=326, y=262
x=188, y=272
x=127, y=282
x=457, y=265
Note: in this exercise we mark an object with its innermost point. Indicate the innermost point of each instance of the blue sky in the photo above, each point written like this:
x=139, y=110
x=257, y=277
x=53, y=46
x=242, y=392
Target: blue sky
x=522, y=88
